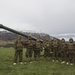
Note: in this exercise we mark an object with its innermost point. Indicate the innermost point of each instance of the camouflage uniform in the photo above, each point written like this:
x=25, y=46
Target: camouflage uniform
x=29, y=49
x=71, y=48
x=47, y=47
x=55, y=48
x=38, y=48
x=18, y=49
x=63, y=50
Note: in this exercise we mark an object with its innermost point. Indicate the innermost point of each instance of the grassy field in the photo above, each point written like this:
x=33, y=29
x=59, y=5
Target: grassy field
x=42, y=67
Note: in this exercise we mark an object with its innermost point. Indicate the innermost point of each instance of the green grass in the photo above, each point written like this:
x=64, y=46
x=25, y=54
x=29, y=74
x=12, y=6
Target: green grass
x=42, y=67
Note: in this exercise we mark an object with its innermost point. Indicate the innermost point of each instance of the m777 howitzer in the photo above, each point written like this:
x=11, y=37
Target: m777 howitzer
x=17, y=32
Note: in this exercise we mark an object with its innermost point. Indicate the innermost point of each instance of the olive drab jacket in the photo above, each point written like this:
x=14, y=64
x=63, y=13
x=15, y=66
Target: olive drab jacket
x=71, y=45
x=46, y=44
x=38, y=45
x=19, y=44
x=55, y=43
x=29, y=43
x=63, y=45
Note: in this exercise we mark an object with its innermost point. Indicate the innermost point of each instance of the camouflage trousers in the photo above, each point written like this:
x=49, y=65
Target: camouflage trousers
x=63, y=55
x=46, y=52
x=55, y=53
x=18, y=54
x=29, y=52
x=71, y=56
x=37, y=53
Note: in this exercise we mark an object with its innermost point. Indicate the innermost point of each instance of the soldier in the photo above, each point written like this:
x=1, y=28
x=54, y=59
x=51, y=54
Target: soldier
x=47, y=47
x=29, y=49
x=55, y=48
x=38, y=48
x=18, y=50
x=71, y=48
x=63, y=50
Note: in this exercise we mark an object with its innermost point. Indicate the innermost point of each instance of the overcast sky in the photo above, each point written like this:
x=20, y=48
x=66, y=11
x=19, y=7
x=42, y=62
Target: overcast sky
x=49, y=16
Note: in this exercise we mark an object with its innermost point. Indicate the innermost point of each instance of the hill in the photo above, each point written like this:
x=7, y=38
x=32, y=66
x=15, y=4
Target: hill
x=9, y=36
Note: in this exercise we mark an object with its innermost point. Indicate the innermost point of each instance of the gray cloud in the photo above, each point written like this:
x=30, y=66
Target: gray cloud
x=49, y=16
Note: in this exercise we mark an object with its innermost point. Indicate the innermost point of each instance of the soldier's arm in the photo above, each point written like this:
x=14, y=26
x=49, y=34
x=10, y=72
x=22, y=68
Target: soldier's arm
x=51, y=45
x=22, y=41
x=34, y=46
x=74, y=48
x=15, y=45
x=60, y=46
x=25, y=43
x=67, y=48
x=41, y=46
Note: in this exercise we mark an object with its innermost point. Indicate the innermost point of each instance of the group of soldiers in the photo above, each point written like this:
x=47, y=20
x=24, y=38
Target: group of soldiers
x=54, y=50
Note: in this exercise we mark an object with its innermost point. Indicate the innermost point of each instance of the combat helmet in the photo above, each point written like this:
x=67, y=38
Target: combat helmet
x=70, y=40
x=29, y=36
x=19, y=37
x=63, y=40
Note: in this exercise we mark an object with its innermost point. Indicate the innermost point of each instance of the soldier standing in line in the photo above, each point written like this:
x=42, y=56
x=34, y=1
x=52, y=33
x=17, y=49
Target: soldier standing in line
x=47, y=46
x=38, y=48
x=63, y=50
x=29, y=49
x=18, y=50
x=55, y=47
x=71, y=48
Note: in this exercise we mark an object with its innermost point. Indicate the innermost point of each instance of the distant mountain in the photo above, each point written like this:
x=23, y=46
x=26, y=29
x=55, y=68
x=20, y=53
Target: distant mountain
x=6, y=35
x=66, y=36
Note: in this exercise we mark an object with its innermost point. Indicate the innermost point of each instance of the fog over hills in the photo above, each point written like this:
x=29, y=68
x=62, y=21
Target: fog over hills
x=66, y=36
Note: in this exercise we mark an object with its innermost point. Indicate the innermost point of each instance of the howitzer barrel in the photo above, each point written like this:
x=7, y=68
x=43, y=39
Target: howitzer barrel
x=17, y=32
